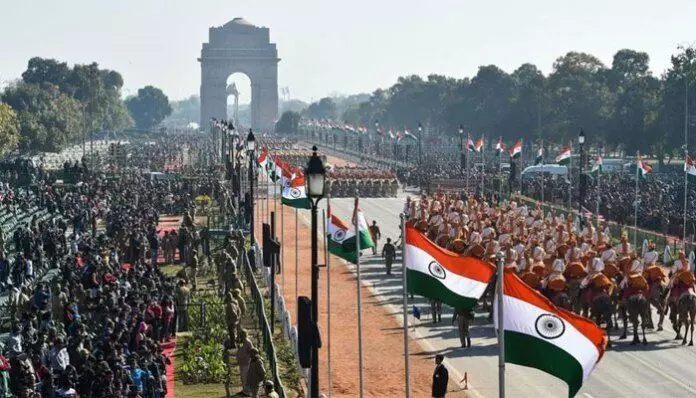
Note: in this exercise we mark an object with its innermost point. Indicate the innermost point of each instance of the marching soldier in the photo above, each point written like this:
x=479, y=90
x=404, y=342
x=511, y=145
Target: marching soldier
x=376, y=236
x=389, y=254
x=463, y=319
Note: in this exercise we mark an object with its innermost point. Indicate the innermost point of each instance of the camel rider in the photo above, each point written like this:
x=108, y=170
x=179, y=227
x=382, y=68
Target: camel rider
x=624, y=249
x=634, y=282
x=610, y=260
x=653, y=273
x=538, y=255
x=596, y=282
x=511, y=260
x=555, y=282
x=682, y=278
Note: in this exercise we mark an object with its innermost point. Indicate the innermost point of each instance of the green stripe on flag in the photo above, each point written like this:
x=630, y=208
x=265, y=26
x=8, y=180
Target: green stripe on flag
x=430, y=287
x=536, y=352
x=302, y=203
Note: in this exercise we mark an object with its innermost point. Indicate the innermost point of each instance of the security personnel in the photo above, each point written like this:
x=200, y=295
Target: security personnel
x=389, y=254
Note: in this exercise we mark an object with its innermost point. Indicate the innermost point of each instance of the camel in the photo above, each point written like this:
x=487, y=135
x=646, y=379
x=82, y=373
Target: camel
x=686, y=308
x=657, y=298
x=636, y=306
x=601, y=310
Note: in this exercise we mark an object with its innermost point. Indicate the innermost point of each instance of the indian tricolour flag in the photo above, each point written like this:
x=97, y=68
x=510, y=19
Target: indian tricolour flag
x=350, y=244
x=337, y=232
x=597, y=165
x=540, y=335
x=690, y=168
x=262, y=159
x=563, y=157
x=643, y=168
x=516, y=150
x=500, y=146
x=539, y=157
x=295, y=195
x=470, y=144
x=442, y=275
x=478, y=147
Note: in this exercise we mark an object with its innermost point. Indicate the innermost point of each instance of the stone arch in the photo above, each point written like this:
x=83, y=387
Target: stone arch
x=239, y=47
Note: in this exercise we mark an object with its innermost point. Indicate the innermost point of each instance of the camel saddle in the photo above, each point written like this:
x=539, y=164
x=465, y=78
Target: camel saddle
x=531, y=279
x=458, y=246
x=557, y=284
x=654, y=274
x=601, y=281
x=610, y=270
x=686, y=277
x=477, y=251
x=637, y=281
x=575, y=270
x=625, y=264
x=562, y=250
x=442, y=240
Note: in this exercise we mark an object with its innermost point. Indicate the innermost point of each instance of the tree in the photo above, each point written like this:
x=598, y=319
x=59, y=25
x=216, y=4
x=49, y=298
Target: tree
x=149, y=107
x=9, y=129
x=98, y=90
x=287, y=124
x=48, y=118
x=324, y=109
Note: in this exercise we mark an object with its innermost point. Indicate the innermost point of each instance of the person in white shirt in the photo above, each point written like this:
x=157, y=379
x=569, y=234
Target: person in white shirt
x=59, y=356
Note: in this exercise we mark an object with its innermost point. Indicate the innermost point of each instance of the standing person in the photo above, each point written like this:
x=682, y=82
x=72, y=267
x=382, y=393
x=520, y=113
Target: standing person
x=244, y=359
x=270, y=389
x=436, y=310
x=376, y=236
x=389, y=254
x=256, y=374
x=440, y=378
x=182, y=299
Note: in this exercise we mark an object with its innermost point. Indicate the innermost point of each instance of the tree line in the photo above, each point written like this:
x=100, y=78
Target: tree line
x=620, y=107
x=53, y=105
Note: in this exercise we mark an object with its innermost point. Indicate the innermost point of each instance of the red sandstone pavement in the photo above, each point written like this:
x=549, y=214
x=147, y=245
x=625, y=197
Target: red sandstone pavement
x=383, y=344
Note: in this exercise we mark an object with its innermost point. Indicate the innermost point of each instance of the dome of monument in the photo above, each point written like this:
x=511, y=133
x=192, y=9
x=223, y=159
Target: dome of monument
x=239, y=22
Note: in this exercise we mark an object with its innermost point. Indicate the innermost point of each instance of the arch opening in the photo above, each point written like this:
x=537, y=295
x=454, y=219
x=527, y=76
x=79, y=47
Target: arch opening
x=239, y=98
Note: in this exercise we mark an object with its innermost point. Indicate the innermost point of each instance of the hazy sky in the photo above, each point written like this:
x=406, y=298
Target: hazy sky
x=331, y=46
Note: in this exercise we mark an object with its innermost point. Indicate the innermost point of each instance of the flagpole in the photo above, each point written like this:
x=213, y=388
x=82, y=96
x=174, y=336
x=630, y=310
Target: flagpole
x=500, y=173
x=501, y=327
x=635, y=211
x=357, y=264
x=686, y=154
x=542, y=177
x=405, y=307
x=327, y=260
x=599, y=191
x=483, y=166
x=466, y=163
x=296, y=256
x=282, y=245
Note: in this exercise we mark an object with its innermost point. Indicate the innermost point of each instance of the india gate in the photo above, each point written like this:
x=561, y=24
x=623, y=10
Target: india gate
x=239, y=46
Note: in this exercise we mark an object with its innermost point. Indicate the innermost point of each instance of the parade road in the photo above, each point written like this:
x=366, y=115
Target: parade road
x=663, y=367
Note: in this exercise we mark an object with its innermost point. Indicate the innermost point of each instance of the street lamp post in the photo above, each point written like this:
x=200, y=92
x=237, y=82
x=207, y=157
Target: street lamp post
x=379, y=144
x=251, y=148
x=462, y=160
x=581, y=177
x=316, y=184
x=420, y=135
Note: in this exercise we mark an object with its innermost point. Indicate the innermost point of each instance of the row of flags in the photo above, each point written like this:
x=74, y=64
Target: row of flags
x=397, y=135
x=341, y=237
x=537, y=333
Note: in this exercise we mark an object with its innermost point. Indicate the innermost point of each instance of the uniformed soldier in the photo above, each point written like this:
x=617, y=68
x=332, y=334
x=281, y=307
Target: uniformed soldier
x=193, y=264
x=463, y=319
x=182, y=300
x=436, y=310
x=375, y=235
x=389, y=254
x=232, y=318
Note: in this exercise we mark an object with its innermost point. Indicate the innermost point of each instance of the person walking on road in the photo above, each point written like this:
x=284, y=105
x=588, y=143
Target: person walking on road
x=388, y=253
x=440, y=378
x=376, y=236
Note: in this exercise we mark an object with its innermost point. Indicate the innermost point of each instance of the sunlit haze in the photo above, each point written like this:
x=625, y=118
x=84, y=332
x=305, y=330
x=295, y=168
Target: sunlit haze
x=337, y=47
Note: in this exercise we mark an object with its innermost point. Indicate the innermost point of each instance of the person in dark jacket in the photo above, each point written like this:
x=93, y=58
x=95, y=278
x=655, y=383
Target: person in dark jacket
x=440, y=378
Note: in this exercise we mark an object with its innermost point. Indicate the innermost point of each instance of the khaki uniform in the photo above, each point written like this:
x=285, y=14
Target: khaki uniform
x=255, y=376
